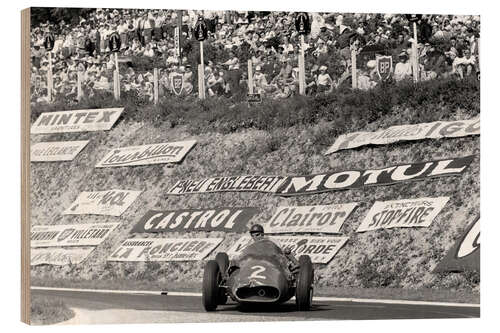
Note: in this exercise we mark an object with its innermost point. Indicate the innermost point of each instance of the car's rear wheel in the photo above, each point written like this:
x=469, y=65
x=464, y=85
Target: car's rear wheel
x=211, y=291
x=304, y=288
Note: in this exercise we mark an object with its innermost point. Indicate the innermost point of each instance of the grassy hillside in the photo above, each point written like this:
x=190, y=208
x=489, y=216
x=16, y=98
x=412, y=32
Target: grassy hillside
x=47, y=310
x=276, y=138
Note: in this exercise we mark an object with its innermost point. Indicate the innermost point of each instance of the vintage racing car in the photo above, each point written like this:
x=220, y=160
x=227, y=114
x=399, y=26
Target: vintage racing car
x=260, y=275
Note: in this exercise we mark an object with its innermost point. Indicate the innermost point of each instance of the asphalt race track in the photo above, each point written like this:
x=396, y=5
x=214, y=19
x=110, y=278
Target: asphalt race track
x=94, y=308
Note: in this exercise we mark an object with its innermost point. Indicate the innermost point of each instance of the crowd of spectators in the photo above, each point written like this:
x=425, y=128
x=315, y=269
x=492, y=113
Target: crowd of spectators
x=448, y=45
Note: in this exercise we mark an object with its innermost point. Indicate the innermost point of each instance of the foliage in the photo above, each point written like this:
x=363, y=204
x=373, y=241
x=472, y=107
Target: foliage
x=431, y=100
x=286, y=137
x=46, y=310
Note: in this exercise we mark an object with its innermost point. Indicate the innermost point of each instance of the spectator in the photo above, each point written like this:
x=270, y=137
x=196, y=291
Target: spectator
x=402, y=70
x=463, y=66
x=269, y=40
x=324, y=82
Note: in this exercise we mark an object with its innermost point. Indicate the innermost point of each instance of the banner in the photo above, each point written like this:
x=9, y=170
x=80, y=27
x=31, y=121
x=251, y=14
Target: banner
x=229, y=219
x=164, y=249
x=267, y=184
x=70, y=235
x=434, y=130
x=59, y=256
x=112, y=202
x=168, y=152
x=56, y=150
x=465, y=253
x=76, y=121
x=358, y=178
x=320, y=249
x=402, y=213
x=325, y=219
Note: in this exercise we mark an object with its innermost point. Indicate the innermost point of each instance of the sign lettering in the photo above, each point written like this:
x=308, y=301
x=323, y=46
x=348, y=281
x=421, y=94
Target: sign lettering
x=76, y=121
x=112, y=202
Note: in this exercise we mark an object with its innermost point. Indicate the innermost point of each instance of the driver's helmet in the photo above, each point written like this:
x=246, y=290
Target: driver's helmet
x=257, y=231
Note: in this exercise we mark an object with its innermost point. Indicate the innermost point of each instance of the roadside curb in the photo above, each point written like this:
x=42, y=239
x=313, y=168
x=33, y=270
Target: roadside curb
x=316, y=298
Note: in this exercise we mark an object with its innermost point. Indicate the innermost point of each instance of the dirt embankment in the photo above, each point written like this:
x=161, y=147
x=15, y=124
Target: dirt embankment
x=396, y=258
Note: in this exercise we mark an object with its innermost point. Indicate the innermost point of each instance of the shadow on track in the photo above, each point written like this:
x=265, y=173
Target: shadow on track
x=269, y=308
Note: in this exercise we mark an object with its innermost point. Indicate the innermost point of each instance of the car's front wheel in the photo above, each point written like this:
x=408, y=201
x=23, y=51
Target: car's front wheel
x=304, y=288
x=223, y=262
x=211, y=291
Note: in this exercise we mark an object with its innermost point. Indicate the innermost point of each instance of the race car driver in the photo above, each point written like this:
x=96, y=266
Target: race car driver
x=257, y=234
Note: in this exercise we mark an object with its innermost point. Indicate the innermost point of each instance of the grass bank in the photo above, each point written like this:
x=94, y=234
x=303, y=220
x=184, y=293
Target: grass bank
x=47, y=310
x=276, y=138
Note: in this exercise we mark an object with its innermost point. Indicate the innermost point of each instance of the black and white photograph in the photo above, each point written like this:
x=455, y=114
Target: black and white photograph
x=207, y=166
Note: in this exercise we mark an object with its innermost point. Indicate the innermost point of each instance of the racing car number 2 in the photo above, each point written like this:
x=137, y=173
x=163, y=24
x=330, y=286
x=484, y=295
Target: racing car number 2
x=257, y=269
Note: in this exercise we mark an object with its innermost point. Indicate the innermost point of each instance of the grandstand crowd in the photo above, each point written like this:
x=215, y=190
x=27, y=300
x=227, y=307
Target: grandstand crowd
x=448, y=45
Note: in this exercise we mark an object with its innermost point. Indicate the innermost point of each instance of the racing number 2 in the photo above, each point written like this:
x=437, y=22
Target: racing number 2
x=256, y=271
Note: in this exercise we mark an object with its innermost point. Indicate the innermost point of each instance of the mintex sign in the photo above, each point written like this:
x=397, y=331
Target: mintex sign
x=168, y=152
x=76, y=121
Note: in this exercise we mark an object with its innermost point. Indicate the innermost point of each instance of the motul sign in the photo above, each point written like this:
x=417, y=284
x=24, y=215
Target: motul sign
x=384, y=67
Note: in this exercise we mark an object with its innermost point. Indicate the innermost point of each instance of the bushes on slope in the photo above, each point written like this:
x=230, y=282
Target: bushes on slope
x=431, y=100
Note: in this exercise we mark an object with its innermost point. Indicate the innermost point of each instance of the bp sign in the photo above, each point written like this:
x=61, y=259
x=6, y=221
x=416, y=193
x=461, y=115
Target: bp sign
x=384, y=67
x=201, y=30
x=114, y=42
x=48, y=43
x=302, y=23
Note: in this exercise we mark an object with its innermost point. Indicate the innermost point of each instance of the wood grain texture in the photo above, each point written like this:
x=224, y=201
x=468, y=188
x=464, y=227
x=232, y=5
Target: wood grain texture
x=25, y=166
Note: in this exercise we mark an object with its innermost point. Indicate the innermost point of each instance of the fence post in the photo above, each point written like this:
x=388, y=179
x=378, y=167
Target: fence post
x=79, y=92
x=201, y=73
x=354, y=66
x=179, y=37
x=49, y=79
x=250, y=77
x=302, y=76
x=414, y=51
x=155, y=85
x=200, y=85
x=116, y=79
